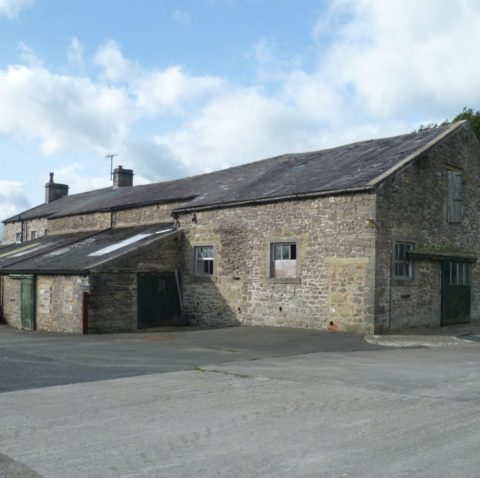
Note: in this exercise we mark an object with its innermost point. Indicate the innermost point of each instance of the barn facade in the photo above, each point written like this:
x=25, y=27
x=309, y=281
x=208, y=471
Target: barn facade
x=374, y=236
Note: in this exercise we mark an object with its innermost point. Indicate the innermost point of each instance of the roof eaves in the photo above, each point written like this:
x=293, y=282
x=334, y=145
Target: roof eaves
x=401, y=164
x=64, y=272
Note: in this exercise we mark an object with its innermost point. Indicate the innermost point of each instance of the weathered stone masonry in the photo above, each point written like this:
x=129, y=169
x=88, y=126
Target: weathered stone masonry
x=344, y=244
x=411, y=206
x=336, y=250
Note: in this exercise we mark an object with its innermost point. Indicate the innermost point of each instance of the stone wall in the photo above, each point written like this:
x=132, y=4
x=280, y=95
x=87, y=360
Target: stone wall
x=334, y=287
x=159, y=213
x=40, y=226
x=11, y=229
x=411, y=207
x=59, y=303
x=112, y=302
x=82, y=222
x=11, y=301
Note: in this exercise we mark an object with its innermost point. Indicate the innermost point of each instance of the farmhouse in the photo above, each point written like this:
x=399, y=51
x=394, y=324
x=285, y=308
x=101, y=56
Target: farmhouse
x=374, y=236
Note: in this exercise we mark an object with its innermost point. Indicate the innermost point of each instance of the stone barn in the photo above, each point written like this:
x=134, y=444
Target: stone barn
x=374, y=236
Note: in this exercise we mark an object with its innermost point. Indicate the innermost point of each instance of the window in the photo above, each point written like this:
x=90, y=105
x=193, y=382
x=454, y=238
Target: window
x=454, y=196
x=33, y=235
x=403, y=261
x=283, y=260
x=204, y=261
x=457, y=273
x=18, y=237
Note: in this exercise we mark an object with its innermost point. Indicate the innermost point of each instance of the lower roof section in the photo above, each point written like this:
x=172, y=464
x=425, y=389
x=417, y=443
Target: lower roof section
x=78, y=253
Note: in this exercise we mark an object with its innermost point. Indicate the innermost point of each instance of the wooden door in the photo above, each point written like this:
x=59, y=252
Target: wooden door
x=456, y=292
x=28, y=303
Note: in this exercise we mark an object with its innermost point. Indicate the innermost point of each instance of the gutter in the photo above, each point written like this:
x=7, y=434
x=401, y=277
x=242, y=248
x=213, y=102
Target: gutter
x=290, y=197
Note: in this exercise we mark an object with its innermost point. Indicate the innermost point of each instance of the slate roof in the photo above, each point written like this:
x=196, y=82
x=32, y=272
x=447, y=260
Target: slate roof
x=78, y=252
x=346, y=168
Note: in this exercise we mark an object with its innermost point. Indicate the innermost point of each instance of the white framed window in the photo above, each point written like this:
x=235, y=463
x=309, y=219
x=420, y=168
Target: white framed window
x=204, y=260
x=33, y=235
x=18, y=237
x=403, y=260
x=283, y=259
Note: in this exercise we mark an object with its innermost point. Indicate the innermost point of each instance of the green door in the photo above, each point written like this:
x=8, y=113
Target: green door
x=28, y=303
x=456, y=291
x=157, y=299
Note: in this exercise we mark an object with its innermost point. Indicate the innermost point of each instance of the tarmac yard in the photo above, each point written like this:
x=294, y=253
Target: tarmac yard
x=240, y=402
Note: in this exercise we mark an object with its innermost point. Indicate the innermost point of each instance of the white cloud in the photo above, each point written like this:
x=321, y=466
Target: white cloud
x=115, y=66
x=171, y=88
x=270, y=65
x=63, y=113
x=154, y=89
x=404, y=56
x=11, y=8
x=75, y=54
x=12, y=198
x=28, y=56
x=181, y=16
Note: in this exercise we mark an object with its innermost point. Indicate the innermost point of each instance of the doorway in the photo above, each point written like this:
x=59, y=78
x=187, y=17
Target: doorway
x=158, y=300
x=456, y=293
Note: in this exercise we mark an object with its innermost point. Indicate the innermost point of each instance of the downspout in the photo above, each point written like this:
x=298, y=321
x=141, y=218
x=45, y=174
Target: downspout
x=2, y=318
x=22, y=230
x=390, y=294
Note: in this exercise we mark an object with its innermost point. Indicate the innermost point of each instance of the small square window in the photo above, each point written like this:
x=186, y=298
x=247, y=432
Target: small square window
x=283, y=260
x=33, y=235
x=403, y=261
x=204, y=260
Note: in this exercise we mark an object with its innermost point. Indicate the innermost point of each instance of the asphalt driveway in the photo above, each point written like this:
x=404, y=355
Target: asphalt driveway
x=35, y=359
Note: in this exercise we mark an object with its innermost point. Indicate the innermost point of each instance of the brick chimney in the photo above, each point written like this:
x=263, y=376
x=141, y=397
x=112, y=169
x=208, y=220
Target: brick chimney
x=54, y=191
x=122, y=177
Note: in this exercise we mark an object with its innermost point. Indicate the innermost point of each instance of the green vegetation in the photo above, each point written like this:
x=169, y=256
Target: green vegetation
x=467, y=114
